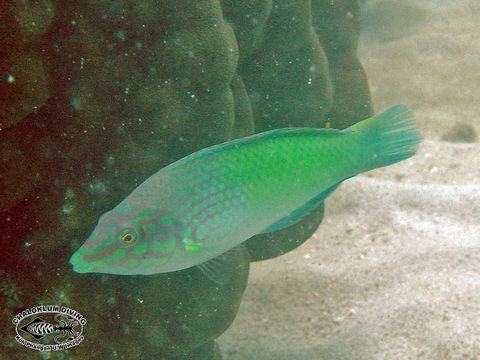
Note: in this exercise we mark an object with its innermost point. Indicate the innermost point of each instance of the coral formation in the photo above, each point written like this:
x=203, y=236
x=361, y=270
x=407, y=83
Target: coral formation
x=98, y=95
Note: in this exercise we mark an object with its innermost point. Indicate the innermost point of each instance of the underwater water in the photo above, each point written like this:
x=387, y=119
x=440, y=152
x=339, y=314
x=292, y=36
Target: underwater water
x=98, y=96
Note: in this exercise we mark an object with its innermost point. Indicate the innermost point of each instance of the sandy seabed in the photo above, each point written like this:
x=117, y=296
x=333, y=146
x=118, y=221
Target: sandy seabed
x=393, y=272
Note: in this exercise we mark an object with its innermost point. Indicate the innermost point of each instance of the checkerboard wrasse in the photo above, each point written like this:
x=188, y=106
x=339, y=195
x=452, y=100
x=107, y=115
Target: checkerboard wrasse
x=197, y=210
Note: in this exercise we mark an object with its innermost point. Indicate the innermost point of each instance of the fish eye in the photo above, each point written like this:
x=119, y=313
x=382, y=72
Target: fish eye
x=128, y=237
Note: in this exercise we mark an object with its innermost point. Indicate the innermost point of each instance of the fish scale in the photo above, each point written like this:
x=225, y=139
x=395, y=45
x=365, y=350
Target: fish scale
x=293, y=164
x=215, y=199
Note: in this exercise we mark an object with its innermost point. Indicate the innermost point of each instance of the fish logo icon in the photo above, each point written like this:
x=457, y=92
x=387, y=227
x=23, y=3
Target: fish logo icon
x=36, y=331
x=38, y=328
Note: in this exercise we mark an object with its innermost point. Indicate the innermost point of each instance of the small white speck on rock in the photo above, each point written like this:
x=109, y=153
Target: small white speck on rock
x=338, y=319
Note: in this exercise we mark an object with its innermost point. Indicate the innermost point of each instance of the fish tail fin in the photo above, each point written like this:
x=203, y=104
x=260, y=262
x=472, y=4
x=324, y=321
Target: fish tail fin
x=392, y=134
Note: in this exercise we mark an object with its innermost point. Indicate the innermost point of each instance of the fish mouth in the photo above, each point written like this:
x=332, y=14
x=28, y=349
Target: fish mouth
x=79, y=264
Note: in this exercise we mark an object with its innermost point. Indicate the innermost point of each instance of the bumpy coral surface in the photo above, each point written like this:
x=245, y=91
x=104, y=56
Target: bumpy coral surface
x=98, y=95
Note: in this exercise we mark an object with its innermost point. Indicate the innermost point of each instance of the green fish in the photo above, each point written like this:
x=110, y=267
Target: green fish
x=207, y=203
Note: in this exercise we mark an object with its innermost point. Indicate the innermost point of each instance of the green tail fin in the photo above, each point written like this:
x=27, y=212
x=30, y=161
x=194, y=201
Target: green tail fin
x=393, y=135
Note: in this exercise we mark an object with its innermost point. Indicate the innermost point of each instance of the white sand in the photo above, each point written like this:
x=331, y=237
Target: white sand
x=393, y=272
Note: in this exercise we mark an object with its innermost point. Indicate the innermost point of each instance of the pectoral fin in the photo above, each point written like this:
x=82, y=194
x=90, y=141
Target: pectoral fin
x=224, y=268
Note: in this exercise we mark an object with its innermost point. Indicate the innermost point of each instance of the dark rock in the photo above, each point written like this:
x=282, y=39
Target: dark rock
x=24, y=84
x=338, y=26
x=461, y=132
x=32, y=18
x=243, y=124
x=287, y=78
x=248, y=20
x=24, y=87
x=133, y=86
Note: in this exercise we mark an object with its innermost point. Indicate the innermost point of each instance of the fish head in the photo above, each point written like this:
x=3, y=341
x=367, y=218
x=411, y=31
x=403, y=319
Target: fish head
x=139, y=244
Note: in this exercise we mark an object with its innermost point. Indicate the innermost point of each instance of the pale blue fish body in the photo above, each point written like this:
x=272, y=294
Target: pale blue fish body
x=213, y=200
